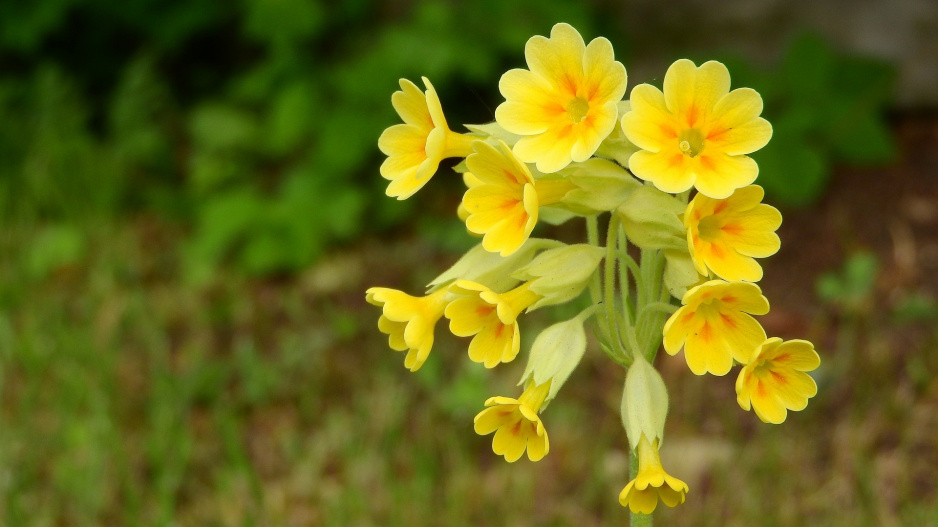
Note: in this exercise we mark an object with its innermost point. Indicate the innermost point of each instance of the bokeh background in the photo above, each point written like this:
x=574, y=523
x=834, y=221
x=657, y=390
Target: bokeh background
x=190, y=211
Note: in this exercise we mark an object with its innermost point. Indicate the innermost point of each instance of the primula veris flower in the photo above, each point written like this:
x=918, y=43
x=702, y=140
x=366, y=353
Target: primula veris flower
x=714, y=328
x=408, y=321
x=503, y=204
x=416, y=147
x=652, y=482
x=490, y=318
x=775, y=380
x=516, y=424
x=564, y=105
x=725, y=236
x=697, y=132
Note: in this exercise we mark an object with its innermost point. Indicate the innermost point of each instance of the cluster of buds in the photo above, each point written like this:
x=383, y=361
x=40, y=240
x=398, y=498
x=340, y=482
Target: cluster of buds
x=566, y=145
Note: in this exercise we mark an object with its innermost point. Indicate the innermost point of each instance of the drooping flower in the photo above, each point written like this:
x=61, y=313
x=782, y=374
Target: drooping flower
x=408, y=321
x=516, y=424
x=697, y=132
x=714, y=328
x=726, y=235
x=775, y=380
x=564, y=105
x=416, y=147
x=652, y=482
x=490, y=318
x=504, y=204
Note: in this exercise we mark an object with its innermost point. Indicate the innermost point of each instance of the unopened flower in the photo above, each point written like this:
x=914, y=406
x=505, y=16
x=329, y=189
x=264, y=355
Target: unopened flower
x=564, y=105
x=516, y=424
x=416, y=147
x=652, y=482
x=775, y=380
x=490, y=318
x=504, y=205
x=697, y=132
x=408, y=321
x=725, y=235
x=714, y=328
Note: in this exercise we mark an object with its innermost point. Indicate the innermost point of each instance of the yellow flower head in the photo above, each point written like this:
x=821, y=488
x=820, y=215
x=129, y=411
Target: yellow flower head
x=516, y=424
x=565, y=104
x=775, y=381
x=714, y=328
x=503, y=202
x=697, y=132
x=725, y=235
x=415, y=148
x=642, y=493
x=408, y=321
x=490, y=318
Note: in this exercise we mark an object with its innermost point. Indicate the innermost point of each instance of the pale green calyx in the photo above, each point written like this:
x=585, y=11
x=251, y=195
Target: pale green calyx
x=556, y=352
x=651, y=219
x=490, y=269
x=679, y=272
x=617, y=146
x=600, y=186
x=644, y=403
x=560, y=275
x=495, y=132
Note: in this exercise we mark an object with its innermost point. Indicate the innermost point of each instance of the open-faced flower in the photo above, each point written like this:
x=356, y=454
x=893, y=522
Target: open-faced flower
x=775, y=380
x=408, y=321
x=652, y=482
x=564, y=105
x=726, y=235
x=516, y=424
x=697, y=132
x=504, y=204
x=490, y=318
x=714, y=328
x=416, y=147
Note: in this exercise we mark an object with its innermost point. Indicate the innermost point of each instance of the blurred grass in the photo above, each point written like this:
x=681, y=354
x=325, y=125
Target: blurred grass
x=130, y=398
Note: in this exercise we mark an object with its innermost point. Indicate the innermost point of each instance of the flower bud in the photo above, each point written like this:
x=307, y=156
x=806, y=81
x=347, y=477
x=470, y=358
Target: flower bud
x=651, y=219
x=556, y=352
x=644, y=402
x=560, y=275
x=490, y=269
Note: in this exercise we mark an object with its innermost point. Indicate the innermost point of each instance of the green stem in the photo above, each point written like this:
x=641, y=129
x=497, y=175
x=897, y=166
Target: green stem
x=592, y=236
x=624, y=275
x=609, y=285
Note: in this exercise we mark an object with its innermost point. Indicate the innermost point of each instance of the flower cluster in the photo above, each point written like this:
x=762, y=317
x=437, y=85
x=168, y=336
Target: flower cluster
x=668, y=170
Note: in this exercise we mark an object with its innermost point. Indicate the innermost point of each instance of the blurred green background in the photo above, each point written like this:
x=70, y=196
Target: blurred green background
x=190, y=211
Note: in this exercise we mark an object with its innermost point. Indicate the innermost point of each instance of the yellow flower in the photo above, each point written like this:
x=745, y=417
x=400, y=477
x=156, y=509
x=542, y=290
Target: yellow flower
x=775, y=381
x=516, y=424
x=697, y=132
x=504, y=204
x=725, y=235
x=565, y=105
x=714, y=328
x=415, y=148
x=490, y=318
x=408, y=321
x=642, y=493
